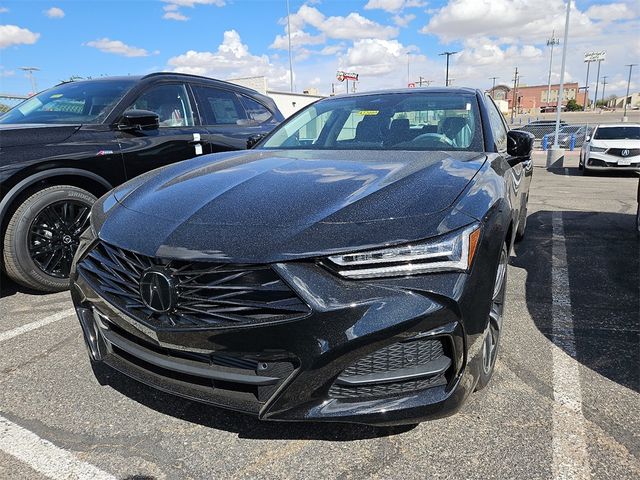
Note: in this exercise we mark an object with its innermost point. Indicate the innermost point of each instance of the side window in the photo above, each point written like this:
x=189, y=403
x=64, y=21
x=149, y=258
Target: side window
x=219, y=107
x=256, y=112
x=170, y=102
x=497, y=125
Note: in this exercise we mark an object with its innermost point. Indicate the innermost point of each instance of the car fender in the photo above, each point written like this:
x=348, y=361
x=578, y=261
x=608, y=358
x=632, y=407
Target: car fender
x=25, y=183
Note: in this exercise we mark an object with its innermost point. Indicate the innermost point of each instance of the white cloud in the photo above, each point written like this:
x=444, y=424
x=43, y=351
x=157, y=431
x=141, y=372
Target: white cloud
x=610, y=12
x=14, y=35
x=298, y=39
x=54, y=12
x=231, y=59
x=175, y=16
x=193, y=3
x=393, y=6
x=373, y=56
x=4, y=10
x=118, y=48
x=403, y=20
x=6, y=73
x=170, y=8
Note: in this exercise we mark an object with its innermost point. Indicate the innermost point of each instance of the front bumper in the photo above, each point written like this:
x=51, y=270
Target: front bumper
x=295, y=370
x=604, y=161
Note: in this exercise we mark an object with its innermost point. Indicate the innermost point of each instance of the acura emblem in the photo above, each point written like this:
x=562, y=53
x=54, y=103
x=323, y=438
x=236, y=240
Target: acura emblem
x=625, y=153
x=156, y=291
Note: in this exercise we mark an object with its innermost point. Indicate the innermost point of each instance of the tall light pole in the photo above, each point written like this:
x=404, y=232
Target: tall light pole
x=624, y=115
x=551, y=42
x=514, y=96
x=556, y=153
x=289, y=37
x=448, y=54
x=494, y=85
x=29, y=71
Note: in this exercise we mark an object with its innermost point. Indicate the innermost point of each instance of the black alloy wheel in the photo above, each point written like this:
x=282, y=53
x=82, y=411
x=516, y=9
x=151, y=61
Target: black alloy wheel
x=42, y=236
x=54, y=236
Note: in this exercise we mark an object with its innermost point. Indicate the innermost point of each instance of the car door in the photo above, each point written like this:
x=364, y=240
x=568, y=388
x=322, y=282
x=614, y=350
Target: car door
x=231, y=118
x=520, y=171
x=179, y=136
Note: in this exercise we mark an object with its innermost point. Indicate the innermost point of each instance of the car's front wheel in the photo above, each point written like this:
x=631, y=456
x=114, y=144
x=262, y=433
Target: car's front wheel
x=492, y=338
x=43, y=234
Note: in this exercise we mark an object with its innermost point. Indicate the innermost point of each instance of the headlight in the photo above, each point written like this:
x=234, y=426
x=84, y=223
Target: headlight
x=598, y=149
x=450, y=252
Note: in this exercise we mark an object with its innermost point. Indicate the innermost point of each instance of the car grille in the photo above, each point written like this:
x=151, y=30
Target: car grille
x=206, y=294
x=618, y=152
x=395, y=357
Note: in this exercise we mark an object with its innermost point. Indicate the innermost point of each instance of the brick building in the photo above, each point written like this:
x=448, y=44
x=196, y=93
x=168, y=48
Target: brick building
x=532, y=98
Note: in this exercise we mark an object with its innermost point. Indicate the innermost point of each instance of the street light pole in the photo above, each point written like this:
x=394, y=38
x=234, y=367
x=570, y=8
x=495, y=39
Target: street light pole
x=555, y=153
x=624, y=115
x=448, y=54
x=494, y=85
x=289, y=36
x=595, y=97
x=29, y=71
x=551, y=42
x=514, y=96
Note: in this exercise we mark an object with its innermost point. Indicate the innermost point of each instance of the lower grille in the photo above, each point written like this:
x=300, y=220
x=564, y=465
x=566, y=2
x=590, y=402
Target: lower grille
x=206, y=294
x=397, y=368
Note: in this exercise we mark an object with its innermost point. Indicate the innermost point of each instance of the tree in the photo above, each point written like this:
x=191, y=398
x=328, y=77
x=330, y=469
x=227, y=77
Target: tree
x=573, y=106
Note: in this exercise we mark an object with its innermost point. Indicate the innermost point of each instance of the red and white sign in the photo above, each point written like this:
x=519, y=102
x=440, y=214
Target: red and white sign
x=342, y=76
x=412, y=85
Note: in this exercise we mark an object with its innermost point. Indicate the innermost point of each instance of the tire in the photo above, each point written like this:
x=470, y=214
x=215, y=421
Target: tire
x=492, y=339
x=580, y=164
x=42, y=236
x=522, y=223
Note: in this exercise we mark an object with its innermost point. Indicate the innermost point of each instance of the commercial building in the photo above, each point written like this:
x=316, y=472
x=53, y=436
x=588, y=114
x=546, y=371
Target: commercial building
x=633, y=101
x=533, y=98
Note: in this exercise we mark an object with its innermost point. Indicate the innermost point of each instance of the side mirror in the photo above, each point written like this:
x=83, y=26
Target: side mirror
x=519, y=143
x=253, y=140
x=139, y=120
x=587, y=138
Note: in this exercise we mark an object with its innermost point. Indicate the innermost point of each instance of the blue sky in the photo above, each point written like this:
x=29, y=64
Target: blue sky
x=376, y=38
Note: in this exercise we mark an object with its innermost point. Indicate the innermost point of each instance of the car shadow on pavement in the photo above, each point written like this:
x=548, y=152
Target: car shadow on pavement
x=245, y=425
x=603, y=266
x=576, y=172
x=8, y=287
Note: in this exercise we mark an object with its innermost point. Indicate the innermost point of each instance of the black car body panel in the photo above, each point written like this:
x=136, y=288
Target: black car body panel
x=99, y=154
x=211, y=224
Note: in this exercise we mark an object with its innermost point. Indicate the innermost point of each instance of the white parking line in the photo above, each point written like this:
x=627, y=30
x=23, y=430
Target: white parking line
x=43, y=456
x=570, y=457
x=9, y=334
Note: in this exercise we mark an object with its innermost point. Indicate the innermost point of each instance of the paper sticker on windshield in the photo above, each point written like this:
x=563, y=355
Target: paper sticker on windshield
x=56, y=95
x=368, y=112
x=468, y=107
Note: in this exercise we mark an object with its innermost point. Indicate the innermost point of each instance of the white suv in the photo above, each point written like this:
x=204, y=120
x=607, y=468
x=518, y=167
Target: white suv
x=612, y=147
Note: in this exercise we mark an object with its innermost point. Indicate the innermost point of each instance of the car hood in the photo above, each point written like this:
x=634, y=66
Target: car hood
x=15, y=135
x=264, y=205
x=615, y=143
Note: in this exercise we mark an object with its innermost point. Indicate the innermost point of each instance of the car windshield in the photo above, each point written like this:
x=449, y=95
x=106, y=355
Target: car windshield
x=391, y=121
x=73, y=102
x=617, y=133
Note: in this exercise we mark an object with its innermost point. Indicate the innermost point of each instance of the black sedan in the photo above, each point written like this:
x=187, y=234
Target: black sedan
x=351, y=267
x=63, y=148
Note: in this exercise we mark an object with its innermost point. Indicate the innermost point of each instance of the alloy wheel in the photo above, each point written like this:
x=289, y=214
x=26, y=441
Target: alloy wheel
x=54, y=235
x=490, y=347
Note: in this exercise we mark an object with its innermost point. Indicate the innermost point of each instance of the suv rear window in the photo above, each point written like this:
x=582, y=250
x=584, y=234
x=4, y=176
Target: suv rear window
x=617, y=133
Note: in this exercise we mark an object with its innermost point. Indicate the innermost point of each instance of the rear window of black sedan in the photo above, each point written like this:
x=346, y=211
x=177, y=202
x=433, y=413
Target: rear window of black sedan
x=390, y=121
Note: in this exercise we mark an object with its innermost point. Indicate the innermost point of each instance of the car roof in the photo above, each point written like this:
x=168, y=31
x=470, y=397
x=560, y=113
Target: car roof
x=612, y=125
x=390, y=91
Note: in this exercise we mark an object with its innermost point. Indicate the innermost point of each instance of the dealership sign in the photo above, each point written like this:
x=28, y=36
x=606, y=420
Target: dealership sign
x=594, y=56
x=342, y=76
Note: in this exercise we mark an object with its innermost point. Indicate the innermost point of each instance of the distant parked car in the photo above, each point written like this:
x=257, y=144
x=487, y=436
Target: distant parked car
x=612, y=147
x=63, y=148
x=540, y=128
x=580, y=132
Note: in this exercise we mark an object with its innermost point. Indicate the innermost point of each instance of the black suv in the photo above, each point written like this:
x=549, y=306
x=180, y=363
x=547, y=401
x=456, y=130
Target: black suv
x=63, y=148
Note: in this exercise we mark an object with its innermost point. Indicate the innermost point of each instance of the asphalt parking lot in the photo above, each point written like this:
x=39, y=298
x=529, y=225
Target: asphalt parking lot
x=564, y=401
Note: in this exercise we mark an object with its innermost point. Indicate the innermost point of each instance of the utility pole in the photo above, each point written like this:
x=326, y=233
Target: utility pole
x=422, y=80
x=289, y=37
x=448, y=54
x=29, y=71
x=551, y=42
x=514, y=97
x=624, y=115
x=604, y=86
x=586, y=87
x=494, y=85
